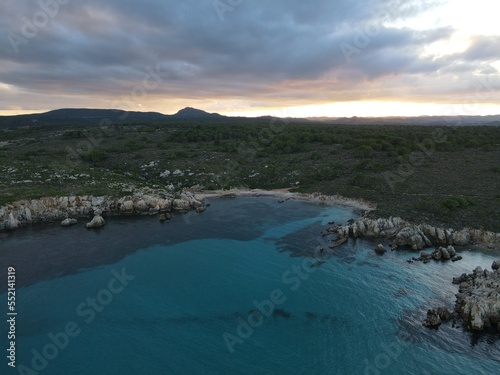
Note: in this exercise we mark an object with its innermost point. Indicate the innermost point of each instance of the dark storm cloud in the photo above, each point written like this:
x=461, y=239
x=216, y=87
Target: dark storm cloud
x=256, y=47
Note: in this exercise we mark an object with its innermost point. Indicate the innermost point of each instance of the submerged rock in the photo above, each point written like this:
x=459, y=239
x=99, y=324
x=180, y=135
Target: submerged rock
x=435, y=317
x=164, y=217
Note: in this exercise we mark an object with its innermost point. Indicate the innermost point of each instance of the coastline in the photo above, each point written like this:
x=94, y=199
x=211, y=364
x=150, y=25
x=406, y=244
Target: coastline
x=148, y=202
x=144, y=202
x=285, y=194
x=160, y=202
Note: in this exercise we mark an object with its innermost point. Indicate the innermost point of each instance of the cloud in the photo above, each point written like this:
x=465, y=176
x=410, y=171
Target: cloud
x=282, y=52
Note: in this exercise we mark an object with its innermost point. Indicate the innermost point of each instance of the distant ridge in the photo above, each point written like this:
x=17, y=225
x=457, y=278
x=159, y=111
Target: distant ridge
x=88, y=116
x=85, y=116
x=419, y=120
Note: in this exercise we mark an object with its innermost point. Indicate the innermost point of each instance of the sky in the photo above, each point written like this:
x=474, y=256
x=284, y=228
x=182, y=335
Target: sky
x=288, y=58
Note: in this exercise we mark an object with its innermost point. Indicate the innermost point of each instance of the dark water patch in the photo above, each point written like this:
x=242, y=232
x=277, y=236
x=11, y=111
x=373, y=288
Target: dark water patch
x=236, y=318
x=45, y=251
x=311, y=315
x=34, y=326
x=347, y=260
x=280, y=313
x=307, y=241
x=369, y=264
x=317, y=264
x=401, y=292
x=304, y=242
x=328, y=319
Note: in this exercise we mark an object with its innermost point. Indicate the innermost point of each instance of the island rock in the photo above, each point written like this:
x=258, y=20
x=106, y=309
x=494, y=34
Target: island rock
x=97, y=222
x=380, y=249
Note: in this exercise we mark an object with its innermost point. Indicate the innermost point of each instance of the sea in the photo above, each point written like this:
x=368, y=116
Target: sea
x=242, y=288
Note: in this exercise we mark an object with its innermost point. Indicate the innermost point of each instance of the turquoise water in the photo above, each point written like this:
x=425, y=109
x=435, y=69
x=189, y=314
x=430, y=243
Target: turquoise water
x=193, y=289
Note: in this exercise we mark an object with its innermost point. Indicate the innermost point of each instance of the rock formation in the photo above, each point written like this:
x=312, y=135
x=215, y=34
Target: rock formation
x=437, y=316
x=478, y=299
x=68, y=222
x=97, y=222
x=142, y=202
x=380, y=249
x=415, y=236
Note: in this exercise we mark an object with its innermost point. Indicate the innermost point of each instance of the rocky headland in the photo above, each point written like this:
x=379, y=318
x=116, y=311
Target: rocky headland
x=478, y=298
x=70, y=208
x=414, y=236
x=477, y=301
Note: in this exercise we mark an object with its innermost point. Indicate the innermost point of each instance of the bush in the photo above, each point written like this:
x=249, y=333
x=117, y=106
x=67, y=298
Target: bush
x=455, y=203
x=326, y=173
x=315, y=156
x=364, y=151
x=430, y=206
x=72, y=134
x=95, y=156
x=363, y=180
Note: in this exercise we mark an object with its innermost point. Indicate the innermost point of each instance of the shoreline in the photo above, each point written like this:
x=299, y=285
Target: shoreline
x=145, y=202
x=150, y=202
x=285, y=194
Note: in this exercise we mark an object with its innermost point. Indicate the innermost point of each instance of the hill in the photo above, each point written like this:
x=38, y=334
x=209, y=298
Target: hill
x=90, y=117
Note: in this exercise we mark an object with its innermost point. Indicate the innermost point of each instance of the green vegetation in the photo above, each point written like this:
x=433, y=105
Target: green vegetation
x=444, y=176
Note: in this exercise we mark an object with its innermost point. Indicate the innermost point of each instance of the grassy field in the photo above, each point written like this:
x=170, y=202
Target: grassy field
x=445, y=176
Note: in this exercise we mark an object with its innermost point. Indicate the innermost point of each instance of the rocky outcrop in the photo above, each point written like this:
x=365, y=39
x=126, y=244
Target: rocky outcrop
x=380, y=249
x=142, y=202
x=164, y=217
x=478, y=299
x=97, y=222
x=417, y=237
x=11, y=222
x=68, y=222
x=444, y=253
x=435, y=317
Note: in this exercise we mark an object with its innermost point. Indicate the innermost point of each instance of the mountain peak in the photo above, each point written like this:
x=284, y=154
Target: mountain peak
x=190, y=112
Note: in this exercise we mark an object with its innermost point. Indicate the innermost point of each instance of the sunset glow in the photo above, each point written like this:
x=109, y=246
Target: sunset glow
x=368, y=58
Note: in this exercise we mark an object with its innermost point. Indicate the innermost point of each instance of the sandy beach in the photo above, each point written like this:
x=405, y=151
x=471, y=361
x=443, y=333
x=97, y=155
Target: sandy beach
x=285, y=194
